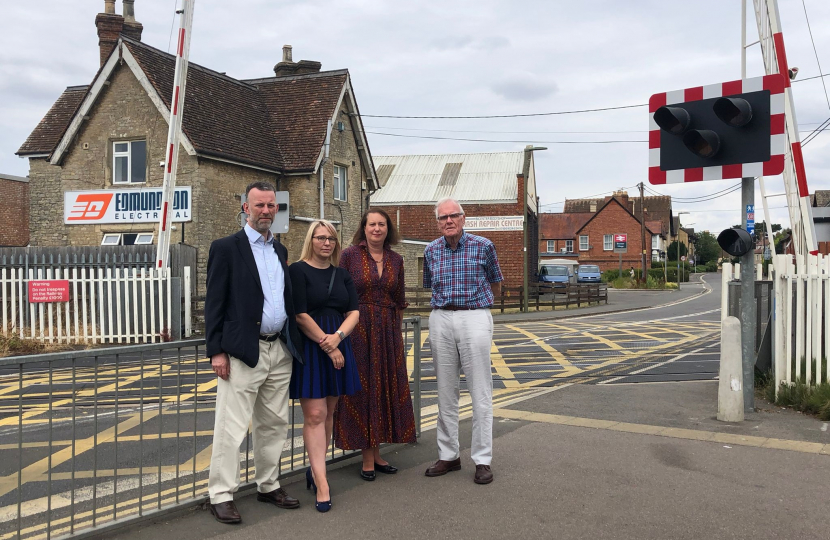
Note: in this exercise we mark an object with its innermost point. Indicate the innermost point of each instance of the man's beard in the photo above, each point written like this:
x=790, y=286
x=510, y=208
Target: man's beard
x=262, y=225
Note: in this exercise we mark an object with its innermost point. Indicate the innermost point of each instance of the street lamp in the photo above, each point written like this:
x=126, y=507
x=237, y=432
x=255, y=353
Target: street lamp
x=526, y=173
x=677, y=248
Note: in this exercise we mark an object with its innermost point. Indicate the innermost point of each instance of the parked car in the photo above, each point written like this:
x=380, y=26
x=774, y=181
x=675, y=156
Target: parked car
x=559, y=275
x=588, y=273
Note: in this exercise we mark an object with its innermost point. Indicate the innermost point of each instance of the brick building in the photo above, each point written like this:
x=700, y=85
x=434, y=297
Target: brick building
x=299, y=130
x=489, y=187
x=586, y=232
x=14, y=211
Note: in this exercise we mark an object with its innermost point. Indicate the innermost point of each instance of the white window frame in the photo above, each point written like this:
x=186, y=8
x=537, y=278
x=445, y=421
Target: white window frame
x=117, y=239
x=607, y=242
x=569, y=246
x=583, y=241
x=551, y=248
x=128, y=154
x=340, y=179
x=111, y=239
x=655, y=242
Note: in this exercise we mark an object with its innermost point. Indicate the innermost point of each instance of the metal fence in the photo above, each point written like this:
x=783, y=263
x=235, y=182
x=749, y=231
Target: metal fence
x=93, y=440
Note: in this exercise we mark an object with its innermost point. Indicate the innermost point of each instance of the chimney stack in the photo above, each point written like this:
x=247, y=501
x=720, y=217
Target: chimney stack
x=109, y=27
x=132, y=28
x=289, y=67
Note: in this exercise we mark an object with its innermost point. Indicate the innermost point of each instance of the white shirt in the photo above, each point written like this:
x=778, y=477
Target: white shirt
x=272, y=279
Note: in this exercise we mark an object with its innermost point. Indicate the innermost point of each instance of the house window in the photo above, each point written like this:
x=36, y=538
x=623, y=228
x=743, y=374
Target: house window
x=340, y=183
x=569, y=246
x=583, y=243
x=654, y=242
x=607, y=242
x=551, y=246
x=129, y=162
x=127, y=239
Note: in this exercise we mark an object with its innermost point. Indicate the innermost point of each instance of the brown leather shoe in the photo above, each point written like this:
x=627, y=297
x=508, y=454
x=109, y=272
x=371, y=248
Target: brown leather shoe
x=442, y=467
x=483, y=474
x=226, y=512
x=279, y=498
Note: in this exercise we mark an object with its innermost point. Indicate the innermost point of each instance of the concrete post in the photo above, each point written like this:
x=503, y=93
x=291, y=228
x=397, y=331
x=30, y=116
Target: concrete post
x=730, y=385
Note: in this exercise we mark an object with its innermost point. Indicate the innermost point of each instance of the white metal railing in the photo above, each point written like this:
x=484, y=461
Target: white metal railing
x=802, y=332
x=106, y=305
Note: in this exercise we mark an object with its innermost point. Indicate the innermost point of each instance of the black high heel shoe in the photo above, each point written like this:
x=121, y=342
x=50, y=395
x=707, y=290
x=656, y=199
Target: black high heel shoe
x=309, y=482
x=386, y=469
x=324, y=506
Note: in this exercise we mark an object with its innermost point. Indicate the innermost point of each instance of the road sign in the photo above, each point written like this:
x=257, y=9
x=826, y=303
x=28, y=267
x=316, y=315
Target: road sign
x=620, y=243
x=682, y=257
x=750, y=218
x=728, y=130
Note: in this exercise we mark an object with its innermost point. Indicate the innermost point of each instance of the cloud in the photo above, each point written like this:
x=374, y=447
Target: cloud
x=524, y=88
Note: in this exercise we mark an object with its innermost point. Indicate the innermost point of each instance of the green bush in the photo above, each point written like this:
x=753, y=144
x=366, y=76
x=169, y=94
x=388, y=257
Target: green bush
x=712, y=266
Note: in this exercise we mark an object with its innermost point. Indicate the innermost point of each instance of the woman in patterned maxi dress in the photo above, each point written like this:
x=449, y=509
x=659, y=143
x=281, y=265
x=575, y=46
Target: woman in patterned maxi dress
x=381, y=412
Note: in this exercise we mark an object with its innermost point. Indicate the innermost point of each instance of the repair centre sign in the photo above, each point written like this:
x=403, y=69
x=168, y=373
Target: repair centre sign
x=123, y=206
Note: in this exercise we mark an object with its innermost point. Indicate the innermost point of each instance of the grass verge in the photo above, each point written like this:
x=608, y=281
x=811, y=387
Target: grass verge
x=809, y=399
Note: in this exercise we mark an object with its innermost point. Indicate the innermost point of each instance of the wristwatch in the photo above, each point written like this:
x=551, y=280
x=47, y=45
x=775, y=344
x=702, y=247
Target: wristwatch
x=341, y=334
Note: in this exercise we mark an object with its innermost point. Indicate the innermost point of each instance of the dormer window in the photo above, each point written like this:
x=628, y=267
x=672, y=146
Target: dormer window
x=129, y=162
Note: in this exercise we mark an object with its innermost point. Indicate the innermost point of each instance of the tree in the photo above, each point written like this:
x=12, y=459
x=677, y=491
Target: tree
x=779, y=238
x=707, y=248
x=671, y=253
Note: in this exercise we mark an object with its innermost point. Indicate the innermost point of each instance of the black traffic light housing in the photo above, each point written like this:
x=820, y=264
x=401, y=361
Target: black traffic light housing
x=736, y=241
x=716, y=131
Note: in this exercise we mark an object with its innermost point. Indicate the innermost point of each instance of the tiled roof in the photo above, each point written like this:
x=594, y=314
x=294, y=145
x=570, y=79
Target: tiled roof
x=277, y=123
x=562, y=226
x=655, y=226
x=49, y=131
x=656, y=207
x=821, y=197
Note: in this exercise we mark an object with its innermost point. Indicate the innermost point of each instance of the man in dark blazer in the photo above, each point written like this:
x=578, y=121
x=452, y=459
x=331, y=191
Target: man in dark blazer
x=252, y=340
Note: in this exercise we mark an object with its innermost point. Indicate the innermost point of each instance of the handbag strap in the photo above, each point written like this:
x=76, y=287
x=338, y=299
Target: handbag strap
x=331, y=281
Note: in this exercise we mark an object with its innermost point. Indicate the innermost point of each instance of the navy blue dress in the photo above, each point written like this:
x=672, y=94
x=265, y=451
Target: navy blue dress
x=316, y=377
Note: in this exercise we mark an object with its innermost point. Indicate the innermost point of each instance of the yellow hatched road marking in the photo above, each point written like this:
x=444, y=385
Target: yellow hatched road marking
x=502, y=368
x=569, y=368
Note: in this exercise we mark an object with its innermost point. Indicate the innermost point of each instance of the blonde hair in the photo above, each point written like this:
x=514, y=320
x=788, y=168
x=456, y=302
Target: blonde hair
x=308, y=250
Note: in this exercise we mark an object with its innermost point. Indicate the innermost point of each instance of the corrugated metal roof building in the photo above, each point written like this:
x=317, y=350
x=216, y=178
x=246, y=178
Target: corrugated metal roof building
x=486, y=185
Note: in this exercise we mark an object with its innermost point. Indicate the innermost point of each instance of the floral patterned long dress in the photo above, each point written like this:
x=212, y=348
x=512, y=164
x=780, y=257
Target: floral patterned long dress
x=382, y=411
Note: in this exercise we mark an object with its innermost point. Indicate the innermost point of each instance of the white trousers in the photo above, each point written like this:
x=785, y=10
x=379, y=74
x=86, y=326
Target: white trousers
x=462, y=340
x=258, y=396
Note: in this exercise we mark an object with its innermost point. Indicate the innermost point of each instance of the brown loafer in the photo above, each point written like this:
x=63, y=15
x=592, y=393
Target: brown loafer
x=225, y=512
x=483, y=474
x=442, y=467
x=279, y=498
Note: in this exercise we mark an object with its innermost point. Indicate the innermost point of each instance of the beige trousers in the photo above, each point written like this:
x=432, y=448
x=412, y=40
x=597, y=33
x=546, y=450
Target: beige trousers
x=257, y=395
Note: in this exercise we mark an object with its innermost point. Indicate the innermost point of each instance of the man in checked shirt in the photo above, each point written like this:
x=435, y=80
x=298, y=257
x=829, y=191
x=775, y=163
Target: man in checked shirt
x=463, y=271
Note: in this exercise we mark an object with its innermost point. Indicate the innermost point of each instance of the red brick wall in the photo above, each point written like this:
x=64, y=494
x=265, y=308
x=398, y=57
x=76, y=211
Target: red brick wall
x=612, y=219
x=14, y=213
x=417, y=222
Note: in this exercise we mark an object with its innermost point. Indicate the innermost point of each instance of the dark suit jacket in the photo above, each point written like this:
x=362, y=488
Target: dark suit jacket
x=233, y=304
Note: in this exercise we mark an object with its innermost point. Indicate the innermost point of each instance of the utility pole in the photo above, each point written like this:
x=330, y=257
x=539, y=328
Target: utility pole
x=642, y=235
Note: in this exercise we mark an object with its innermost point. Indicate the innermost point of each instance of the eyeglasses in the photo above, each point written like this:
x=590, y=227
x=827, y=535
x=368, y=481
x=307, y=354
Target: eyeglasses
x=454, y=216
x=324, y=239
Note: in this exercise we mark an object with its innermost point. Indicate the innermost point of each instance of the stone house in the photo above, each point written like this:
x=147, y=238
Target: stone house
x=299, y=129
x=489, y=186
x=14, y=210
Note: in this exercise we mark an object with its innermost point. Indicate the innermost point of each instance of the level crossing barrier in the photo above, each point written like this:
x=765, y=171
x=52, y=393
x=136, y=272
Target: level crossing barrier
x=93, y=440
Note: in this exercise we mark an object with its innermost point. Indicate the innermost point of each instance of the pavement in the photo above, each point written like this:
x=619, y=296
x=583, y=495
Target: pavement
x=639, y=461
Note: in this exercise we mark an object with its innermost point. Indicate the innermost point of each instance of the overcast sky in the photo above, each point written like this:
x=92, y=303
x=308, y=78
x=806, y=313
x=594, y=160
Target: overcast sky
x=462, y=58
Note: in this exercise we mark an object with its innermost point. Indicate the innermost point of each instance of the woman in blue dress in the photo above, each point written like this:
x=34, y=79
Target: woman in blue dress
x=325, y=301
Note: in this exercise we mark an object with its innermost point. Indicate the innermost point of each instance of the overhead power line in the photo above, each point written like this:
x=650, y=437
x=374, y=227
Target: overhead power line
x=815, y=52
x=579, y=111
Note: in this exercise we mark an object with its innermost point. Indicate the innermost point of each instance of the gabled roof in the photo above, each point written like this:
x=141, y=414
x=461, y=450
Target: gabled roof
x=470, y=178
x=655, y=226
x=656, y=207
x=821, y=198
x=562, y=226
x=608, y=201
x=277, y=124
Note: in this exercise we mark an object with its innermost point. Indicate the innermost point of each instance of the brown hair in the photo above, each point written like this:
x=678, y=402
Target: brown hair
x=392, y=236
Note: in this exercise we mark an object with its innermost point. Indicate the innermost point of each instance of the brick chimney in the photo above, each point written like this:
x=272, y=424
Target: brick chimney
x=289, y=67
x=132, y=28
x=109, y=27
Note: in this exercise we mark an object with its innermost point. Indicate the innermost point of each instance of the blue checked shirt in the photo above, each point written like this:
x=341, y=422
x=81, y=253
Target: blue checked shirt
x=462, y=277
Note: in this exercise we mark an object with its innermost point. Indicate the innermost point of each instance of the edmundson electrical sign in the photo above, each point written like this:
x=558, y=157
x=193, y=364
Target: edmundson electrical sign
x=123, y=206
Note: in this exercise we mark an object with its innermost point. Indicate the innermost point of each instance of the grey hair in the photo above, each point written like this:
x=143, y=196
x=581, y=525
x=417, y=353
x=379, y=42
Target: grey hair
x=446, y=200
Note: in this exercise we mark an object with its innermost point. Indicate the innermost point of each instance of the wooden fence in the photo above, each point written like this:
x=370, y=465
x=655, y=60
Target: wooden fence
x=539, y=296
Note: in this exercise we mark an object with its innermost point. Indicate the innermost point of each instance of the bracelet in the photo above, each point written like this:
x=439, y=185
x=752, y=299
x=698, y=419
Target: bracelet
x=341, y=334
